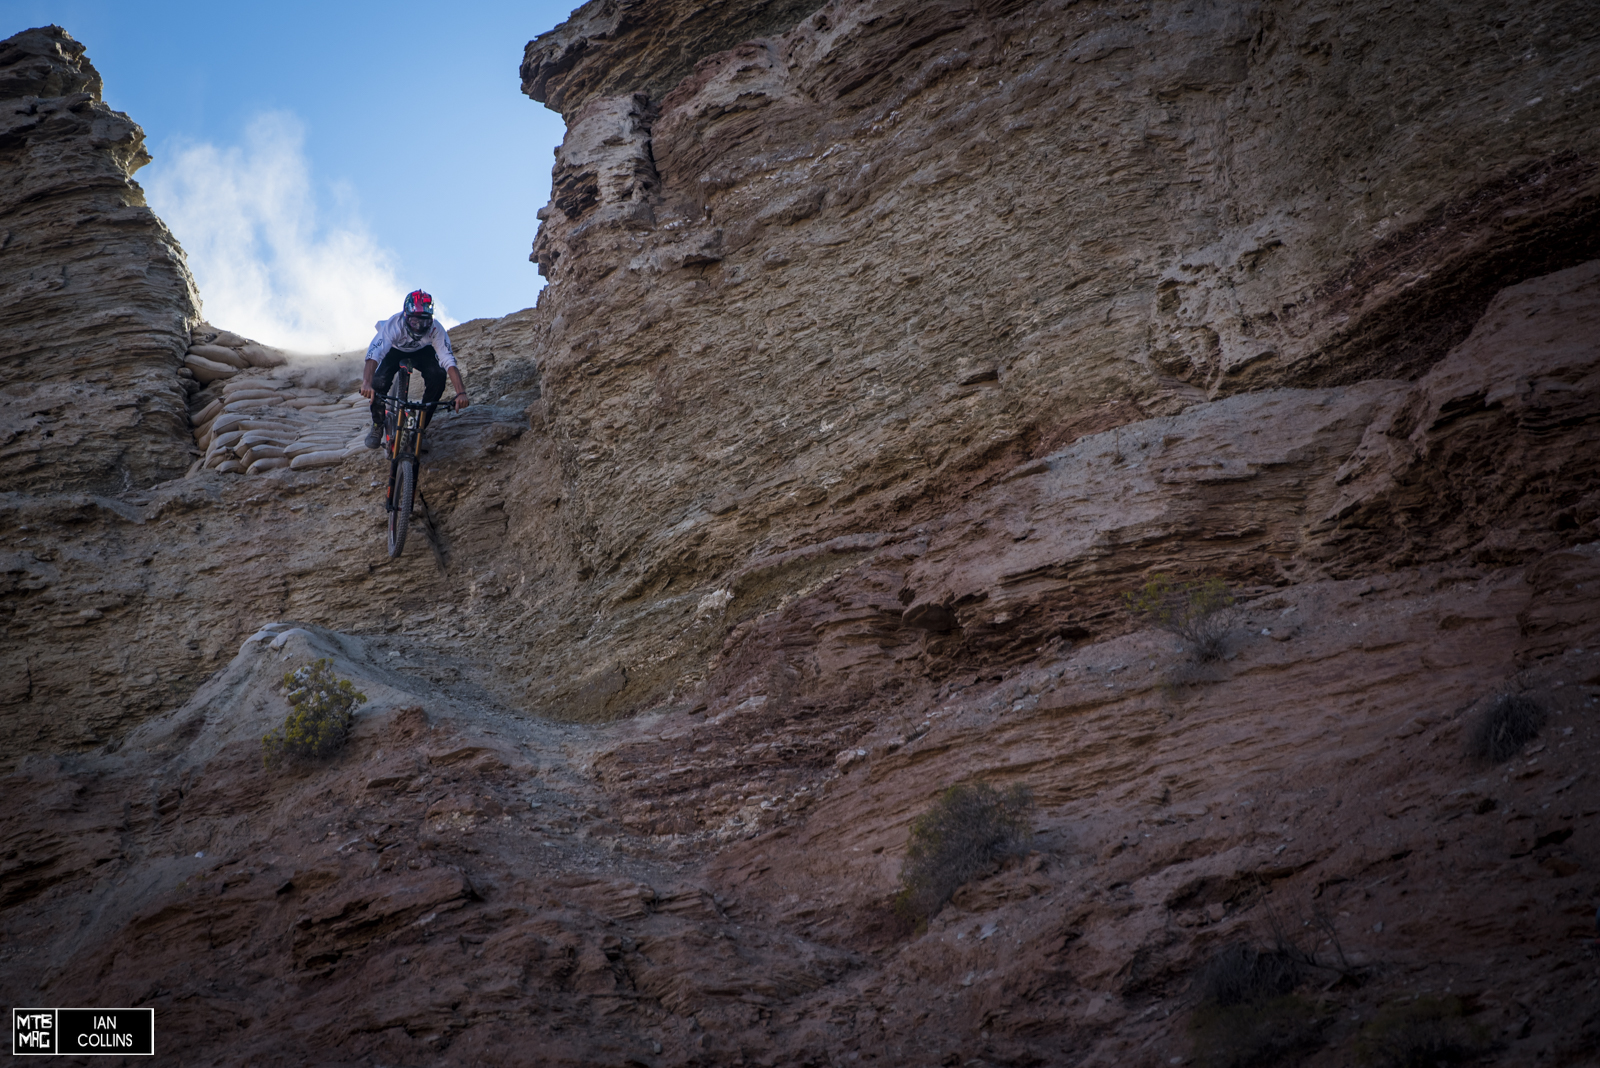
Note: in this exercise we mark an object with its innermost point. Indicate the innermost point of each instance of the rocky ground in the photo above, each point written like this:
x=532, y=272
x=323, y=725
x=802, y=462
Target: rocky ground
x=710, y=886
x=888, y=347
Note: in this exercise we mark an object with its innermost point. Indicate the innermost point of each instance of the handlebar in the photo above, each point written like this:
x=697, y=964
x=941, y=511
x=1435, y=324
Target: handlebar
x=417, y=406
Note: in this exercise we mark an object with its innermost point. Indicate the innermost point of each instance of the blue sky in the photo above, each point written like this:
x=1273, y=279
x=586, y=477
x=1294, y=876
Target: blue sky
x=319, y=160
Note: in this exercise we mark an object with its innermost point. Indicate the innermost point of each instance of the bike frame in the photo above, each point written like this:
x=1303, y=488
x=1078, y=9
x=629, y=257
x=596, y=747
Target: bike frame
x=403, y=420
x=402, y=428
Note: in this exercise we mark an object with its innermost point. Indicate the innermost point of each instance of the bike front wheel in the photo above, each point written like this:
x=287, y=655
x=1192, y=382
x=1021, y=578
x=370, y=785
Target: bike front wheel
x=405, y=491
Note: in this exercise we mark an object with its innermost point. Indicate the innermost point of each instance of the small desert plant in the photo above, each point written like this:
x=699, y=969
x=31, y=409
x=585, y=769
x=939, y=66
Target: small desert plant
x=1239, y=973
x=1248, y=1014
x=1421, y=1033
x=966, y=833
x=321, y=710
x=1508, y=724
x=1199, y=613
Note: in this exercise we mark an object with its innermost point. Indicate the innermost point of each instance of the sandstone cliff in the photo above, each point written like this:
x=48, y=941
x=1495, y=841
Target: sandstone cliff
x=910, y=247
x=95, y=298
x=887, y=346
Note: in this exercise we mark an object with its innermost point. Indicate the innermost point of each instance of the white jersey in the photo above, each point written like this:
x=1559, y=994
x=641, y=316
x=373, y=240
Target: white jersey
x=392, y=335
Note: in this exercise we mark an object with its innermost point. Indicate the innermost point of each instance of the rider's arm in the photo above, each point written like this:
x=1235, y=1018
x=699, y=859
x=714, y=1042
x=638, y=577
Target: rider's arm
x=377, y=349
x=447, y=359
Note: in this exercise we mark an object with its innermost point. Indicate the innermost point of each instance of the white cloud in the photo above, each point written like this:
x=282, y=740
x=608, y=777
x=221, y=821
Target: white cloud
x=266, y=265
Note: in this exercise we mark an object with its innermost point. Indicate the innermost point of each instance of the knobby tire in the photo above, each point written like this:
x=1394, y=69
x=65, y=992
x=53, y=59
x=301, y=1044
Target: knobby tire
x=405, y=491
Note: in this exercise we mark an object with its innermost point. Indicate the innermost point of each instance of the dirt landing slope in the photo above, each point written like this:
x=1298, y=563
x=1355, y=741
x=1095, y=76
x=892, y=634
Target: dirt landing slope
x=465, y=881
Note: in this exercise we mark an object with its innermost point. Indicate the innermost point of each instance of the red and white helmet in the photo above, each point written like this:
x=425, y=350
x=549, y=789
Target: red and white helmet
x=418, y=313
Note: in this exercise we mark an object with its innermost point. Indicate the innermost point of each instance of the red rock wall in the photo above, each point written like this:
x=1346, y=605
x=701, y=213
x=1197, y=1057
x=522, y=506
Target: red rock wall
x=838, y=279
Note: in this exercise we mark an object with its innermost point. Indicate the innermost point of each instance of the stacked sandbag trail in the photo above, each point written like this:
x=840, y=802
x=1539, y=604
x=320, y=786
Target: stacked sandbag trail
x=253, y=412
x=218, y=354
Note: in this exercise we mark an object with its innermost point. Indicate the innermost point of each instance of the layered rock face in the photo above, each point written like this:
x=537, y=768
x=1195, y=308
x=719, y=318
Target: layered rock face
x=889, y=346
x=876, y=261
x=95, y=298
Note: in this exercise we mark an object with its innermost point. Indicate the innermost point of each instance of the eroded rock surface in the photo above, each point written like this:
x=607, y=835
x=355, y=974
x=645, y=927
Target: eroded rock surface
x=95, y=298
x=836, y=277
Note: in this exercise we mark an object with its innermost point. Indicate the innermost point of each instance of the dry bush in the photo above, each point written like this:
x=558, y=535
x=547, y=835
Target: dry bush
x=321, y=712
x=1238, y=973
x=1508, y=724
x=965, y=835
x=1248, y=1015
x=1200, y=613
x=1421, y=1033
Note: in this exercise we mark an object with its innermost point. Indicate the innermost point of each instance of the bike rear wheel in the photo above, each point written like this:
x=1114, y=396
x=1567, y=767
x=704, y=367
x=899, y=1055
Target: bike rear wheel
x=405, y=491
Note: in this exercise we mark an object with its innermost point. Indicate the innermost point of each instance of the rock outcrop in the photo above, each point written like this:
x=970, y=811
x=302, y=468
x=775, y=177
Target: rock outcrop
x=95, y=298
x=888, y=347
x=904, y=248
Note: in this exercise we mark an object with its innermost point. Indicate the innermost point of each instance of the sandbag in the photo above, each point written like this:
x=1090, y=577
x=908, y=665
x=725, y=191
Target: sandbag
x=208, y=413
x=265, y=437
x=288, y=430
x=206, y=370
x=219, y=354
x=265, y=449
x=248, y=382
x=316, y=459
x=227, y=421
x=262, y=356
x=229, y=338
x=318, y=444
x=230, y=467
x=224, y=441
x=234, y=396
x=269, y=463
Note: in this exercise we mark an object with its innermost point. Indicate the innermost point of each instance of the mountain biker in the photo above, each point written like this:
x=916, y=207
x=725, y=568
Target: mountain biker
x=425, y=345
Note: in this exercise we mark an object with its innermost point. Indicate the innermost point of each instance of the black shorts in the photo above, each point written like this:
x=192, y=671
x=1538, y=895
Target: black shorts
x=424, y=361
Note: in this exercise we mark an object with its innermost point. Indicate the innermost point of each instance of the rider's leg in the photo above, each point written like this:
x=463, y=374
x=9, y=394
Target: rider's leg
x=381, y=379
x=433, y=381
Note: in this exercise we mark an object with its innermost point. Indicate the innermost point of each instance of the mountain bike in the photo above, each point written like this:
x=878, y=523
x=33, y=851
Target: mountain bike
x=402, y=440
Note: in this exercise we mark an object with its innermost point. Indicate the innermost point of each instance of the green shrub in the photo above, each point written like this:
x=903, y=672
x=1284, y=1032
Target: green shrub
x=1254, y=1034
x=1199, y=613
x=1507, y=725
x=321, y=711
x=966, y=834
x=1421, y=1033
